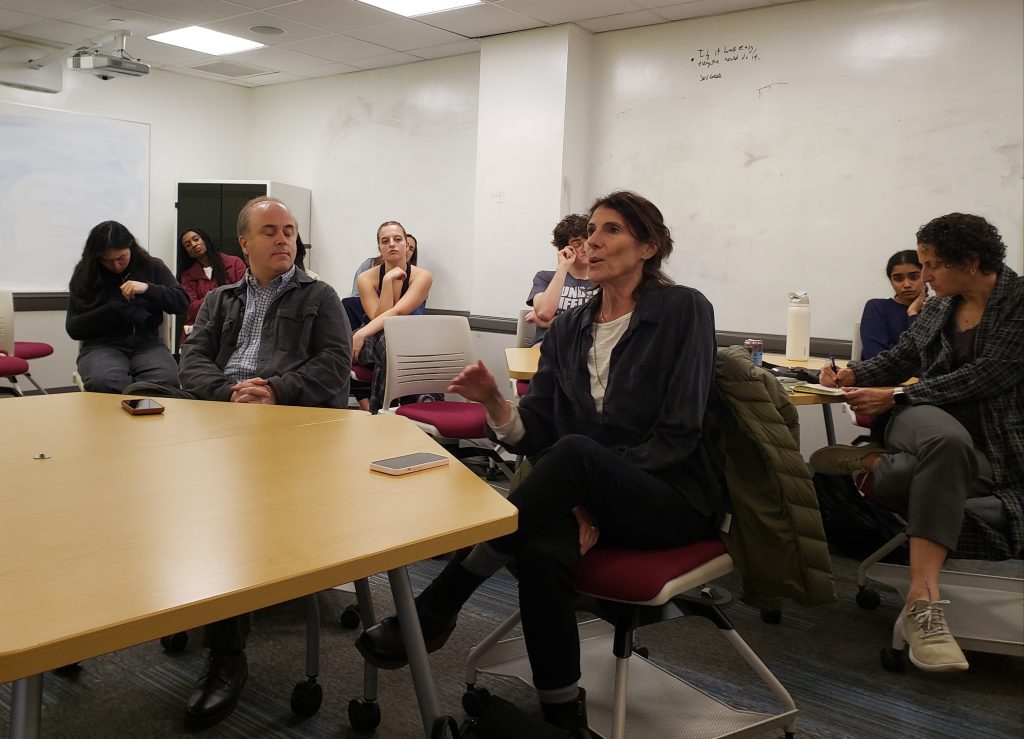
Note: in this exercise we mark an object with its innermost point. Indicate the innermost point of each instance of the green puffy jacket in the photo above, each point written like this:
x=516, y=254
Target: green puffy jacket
x=775, y=533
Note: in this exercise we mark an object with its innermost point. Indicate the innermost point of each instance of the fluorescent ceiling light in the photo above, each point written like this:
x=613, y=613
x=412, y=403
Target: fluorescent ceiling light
x=202, y=39
x=410, y=8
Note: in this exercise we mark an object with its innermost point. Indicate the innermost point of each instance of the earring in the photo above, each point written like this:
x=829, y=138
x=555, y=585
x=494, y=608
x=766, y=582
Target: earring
x=973, y=270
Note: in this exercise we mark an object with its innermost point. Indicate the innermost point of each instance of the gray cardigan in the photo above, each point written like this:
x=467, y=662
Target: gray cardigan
x=305, y=346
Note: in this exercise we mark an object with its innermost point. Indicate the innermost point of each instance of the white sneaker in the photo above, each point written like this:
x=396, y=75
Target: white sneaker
x=932, y=647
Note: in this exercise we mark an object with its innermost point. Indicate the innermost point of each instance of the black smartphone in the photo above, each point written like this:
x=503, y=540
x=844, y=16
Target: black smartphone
x=142, y=406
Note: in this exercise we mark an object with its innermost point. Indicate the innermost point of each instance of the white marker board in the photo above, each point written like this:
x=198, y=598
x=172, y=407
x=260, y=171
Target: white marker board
x=60, y=175
x=797, y=147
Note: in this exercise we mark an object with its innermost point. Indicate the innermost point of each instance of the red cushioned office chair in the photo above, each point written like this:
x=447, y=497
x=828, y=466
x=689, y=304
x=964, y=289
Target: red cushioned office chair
x=424, y=354
x=631, y=588
x=11, y=349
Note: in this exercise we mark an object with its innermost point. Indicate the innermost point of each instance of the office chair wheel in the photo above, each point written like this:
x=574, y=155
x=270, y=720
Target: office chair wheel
x=307, y=696
x=350, y=617
x=69, y=670
x=474, y=700
x=363, y=715
x=892, y=659
x=642, y=651
x=868, y=599
x=175, y=642
x=771, y=615
x=441, y=726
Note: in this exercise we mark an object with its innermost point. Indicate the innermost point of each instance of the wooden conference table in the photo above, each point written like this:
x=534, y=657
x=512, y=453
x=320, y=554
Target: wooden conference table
x=522, y=365
x=95, y=554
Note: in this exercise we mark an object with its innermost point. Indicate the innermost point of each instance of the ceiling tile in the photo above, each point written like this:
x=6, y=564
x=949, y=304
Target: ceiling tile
x=260, y=4
x=140, y=24
x=402, y=35
x=58, y=32
x=48, y=8
x=568, y=11
x=271, y=79
x=240, y=25
x=702, y=8
x=326, y=70
x=481, y=20
x=334, y=15
x=620, y=21
x=275, y=57
x=10, y=19
x=189, y=12
x=337, y=48
x=154, y=52
x=469, y=46
x=384, y=60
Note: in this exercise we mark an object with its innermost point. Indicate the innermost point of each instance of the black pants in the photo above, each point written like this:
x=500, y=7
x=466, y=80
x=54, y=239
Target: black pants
x=229, y=634
x=633, y=510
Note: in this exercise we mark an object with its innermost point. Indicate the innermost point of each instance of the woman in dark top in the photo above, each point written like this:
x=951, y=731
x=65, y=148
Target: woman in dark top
x=201, y=268
x=118, y=297
x=884, y=319
x=954, y=440
x=618, y=413
x=393, y=288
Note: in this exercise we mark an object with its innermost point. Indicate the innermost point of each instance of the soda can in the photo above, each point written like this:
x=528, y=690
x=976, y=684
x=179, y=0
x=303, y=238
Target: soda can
x=756, y=351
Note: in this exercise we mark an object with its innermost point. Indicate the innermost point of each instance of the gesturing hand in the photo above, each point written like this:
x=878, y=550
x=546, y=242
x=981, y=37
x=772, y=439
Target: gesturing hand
x=476, y=383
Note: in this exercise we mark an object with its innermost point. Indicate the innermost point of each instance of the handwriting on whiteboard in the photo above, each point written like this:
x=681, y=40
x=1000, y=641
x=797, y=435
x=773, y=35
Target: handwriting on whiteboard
x=711, y=62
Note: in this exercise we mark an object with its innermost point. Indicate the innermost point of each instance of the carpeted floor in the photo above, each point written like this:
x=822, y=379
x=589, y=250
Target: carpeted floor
x=828, y=657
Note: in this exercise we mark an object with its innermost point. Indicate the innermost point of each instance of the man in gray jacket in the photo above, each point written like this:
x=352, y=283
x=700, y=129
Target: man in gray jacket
x=276, y=337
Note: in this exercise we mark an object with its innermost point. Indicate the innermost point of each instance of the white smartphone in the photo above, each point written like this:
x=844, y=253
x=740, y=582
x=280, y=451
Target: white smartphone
x=408, y=463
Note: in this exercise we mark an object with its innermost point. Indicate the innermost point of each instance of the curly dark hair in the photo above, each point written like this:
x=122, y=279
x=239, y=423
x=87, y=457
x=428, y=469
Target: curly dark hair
x=87, y=279
x=572, y=226
x=960, y=237
x=645, y=224
x=220, y=274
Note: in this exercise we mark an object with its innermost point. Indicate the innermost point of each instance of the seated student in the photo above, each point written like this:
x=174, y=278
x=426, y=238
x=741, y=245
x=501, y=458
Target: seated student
x=956, y=437
x=395, y=288
x=375, y=261
x=625, y=451
x=277, y=336
x=202, y=267
x=119, y=294
x=566, y=287
x=300, y=257
x=884, y=319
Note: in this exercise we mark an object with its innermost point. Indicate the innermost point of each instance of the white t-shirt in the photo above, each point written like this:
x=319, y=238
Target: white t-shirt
x=606, y=336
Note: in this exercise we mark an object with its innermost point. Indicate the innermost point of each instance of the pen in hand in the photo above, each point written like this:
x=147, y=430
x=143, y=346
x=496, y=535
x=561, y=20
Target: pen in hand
x=832, y=360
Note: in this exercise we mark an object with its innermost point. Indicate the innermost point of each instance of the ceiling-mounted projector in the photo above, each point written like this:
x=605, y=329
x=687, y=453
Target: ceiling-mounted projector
x=106, y=66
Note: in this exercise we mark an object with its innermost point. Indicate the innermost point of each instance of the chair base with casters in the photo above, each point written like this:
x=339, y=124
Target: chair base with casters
x=985, y=613
x=628, y=589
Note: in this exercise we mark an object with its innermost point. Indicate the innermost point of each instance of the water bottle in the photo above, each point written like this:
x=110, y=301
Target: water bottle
x=798, y=327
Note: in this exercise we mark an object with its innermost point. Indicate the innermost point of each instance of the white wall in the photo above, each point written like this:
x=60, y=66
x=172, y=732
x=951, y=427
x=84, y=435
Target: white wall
x=389, y=144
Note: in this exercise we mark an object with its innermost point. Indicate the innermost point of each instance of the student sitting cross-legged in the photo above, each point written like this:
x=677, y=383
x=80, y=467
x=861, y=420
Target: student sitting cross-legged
x=618, y=414
x=277, y=336
x=393, y=288
x=953, y=450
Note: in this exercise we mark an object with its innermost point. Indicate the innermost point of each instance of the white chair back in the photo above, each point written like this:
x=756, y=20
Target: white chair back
x=525, y=331
x=6, y=322
x=857, y=347
x=424, y=353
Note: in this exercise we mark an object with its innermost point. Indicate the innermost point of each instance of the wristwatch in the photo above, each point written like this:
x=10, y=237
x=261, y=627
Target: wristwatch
x=899, y=396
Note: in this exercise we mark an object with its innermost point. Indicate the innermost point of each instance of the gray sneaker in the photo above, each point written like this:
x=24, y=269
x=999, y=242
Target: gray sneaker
x=932, y=646
x=843, y=459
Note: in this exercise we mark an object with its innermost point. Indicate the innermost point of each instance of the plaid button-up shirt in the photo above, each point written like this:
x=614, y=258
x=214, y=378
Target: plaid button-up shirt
x=242, y=364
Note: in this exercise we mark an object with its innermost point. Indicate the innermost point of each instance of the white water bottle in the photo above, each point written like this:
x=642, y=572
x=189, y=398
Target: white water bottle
x=798, y=327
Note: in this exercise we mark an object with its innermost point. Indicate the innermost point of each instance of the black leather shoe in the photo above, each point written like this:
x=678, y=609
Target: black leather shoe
x=571, y=716
x=381, y=645
x=216, y=693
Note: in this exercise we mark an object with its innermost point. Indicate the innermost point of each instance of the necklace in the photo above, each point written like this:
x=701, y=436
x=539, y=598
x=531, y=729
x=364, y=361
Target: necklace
x=597, y=366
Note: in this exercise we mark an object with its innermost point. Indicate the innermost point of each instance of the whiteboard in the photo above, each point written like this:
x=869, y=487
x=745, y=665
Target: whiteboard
x=797, y=147
x=60, y=175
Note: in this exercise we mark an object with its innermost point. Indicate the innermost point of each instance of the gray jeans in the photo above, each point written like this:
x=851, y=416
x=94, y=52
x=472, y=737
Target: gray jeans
x=111, y=367
x=932, y=468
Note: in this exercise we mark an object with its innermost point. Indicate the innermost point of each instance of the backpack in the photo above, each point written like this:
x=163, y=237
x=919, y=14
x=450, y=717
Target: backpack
x=855, y=527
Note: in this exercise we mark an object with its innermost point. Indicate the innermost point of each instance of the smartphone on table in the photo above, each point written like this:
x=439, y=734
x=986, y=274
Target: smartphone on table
x=408, y=463
x=142, y=406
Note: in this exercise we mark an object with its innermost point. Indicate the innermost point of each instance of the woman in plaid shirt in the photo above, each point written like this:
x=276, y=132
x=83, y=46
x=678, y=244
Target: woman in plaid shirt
x=955, y=439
